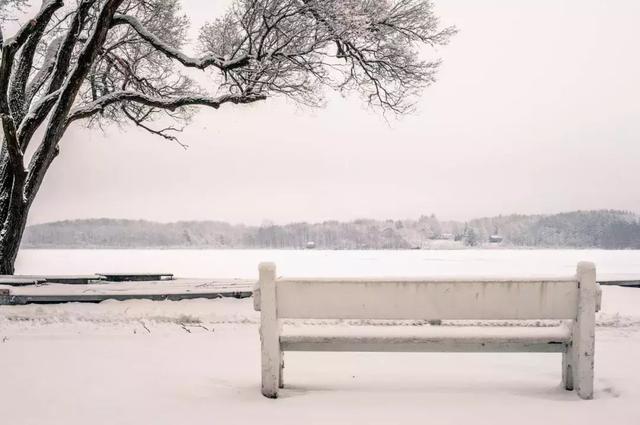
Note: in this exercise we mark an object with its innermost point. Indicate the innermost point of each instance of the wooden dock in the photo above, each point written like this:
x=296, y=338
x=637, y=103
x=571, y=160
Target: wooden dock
x=24, y=280
x=96, y=298
x=159, y=290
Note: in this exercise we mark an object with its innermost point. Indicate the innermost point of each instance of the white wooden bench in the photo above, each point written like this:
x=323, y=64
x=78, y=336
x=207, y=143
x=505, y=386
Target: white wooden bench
x=573, y=299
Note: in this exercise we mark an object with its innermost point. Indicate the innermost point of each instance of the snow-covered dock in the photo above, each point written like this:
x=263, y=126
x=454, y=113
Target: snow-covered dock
x=20, y=281
x=176, y=289
x=23, y=280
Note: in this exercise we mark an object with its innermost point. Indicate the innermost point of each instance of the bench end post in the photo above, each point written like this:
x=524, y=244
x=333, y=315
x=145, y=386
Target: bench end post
x=584, y=334
x=269, y=331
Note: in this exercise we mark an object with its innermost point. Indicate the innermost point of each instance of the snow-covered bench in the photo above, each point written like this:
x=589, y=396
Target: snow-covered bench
x=573, y=299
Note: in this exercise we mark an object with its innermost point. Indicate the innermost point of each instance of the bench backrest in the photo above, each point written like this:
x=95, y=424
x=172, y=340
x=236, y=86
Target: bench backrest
x=422, y=299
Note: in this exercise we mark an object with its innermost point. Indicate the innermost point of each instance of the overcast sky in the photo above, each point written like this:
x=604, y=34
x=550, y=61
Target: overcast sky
x=537, y=109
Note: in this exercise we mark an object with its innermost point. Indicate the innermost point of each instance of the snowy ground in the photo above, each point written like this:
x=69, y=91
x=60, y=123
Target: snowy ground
x=197, y=361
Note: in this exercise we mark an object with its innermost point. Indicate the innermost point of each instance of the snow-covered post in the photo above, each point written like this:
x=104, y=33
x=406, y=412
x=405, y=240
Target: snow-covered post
x=256, y=296
x=584, y=330
x=269, y=331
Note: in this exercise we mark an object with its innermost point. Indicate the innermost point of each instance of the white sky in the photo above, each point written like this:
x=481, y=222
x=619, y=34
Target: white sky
x=536, y=110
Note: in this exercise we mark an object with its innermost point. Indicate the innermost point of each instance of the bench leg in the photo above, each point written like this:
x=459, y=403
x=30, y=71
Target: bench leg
x=271, y=361
x=567, y=368
x=584, y=364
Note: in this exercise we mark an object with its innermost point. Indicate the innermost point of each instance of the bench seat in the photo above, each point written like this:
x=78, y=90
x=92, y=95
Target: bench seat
x=553, y=339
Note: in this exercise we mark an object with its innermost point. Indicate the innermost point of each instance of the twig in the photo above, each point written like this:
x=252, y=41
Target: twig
x=201, y=326
x=144, y=326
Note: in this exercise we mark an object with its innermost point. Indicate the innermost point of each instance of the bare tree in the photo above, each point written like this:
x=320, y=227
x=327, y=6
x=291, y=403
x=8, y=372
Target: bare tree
x=103, y=61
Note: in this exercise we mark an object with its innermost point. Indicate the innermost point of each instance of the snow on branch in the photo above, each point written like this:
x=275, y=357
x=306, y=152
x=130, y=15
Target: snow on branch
x=48, y=148
x=9, y=48
x=37, y=23
x=36, y=115
x=298, y=47
x=47, y=67
x=171, y=104
x=22, y=71
x=200, y=63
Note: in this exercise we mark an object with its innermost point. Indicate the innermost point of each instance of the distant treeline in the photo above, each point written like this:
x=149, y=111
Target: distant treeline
x=580, y=229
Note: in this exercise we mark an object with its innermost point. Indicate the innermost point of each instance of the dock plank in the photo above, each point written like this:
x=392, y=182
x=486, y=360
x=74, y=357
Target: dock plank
x=96, y=298
x=20, y=281
x=135, y=277
x=634, y=283
x=68, y=279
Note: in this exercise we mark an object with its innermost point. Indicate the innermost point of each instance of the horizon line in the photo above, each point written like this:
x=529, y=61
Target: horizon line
x=273, y=223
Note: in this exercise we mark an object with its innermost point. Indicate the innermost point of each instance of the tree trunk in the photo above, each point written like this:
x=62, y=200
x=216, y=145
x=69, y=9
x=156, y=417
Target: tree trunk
x=15, y=212
x=10, y=242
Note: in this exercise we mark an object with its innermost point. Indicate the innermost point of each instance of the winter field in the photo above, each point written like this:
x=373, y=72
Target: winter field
x=198, y=361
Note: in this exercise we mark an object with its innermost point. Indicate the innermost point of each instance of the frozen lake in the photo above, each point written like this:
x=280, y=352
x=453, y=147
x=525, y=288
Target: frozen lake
x=244, y=263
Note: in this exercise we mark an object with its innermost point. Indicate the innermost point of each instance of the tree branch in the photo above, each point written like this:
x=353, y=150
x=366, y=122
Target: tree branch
x=171, y=104
x=163, y=132
x=38, y=21
x=60, y=59
x=9, y=48
x=20, y=75
x=48, y=149
x=171, y=52
x=36, y=115
x=45, y=71
x=65, y=51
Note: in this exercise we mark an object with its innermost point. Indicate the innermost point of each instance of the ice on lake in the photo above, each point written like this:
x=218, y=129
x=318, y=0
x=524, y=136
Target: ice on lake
x=611, y=264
